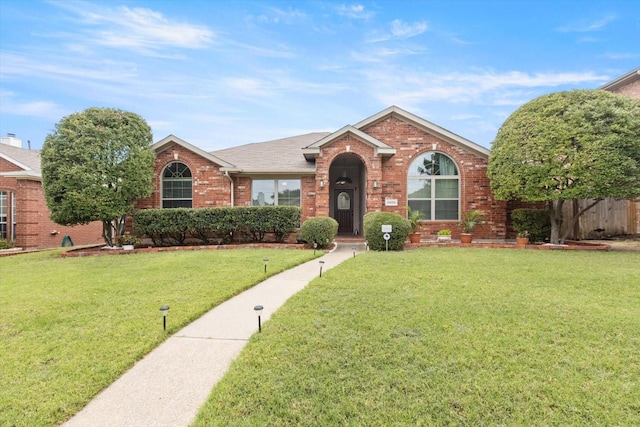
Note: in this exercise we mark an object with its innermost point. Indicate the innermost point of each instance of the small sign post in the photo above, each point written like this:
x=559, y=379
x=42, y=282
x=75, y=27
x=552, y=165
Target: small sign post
x=386, y=229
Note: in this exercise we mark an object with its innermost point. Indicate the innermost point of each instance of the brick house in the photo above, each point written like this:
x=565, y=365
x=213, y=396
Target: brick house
x=386, y=162
x=24, y=217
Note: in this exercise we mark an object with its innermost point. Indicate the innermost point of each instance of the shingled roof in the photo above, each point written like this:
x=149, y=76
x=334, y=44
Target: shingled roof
x=280, y=156
x=27, y=160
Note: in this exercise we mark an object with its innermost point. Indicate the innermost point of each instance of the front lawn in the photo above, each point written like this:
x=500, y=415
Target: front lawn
x=447, y=336
x=69, y=327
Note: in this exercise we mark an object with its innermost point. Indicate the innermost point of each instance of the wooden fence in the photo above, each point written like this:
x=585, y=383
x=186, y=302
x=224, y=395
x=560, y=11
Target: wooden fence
x=610, y=217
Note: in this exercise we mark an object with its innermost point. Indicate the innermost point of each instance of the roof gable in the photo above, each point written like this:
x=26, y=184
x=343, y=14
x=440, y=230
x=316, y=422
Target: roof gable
x=426, y=126
x=172, y=139
x=380, y=147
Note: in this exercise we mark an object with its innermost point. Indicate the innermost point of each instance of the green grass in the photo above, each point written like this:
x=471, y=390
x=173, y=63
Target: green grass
x=447, y=336
x=69, y=327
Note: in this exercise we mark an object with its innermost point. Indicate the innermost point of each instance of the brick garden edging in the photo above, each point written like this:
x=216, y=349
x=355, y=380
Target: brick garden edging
x=569, y=246
x=98, y=251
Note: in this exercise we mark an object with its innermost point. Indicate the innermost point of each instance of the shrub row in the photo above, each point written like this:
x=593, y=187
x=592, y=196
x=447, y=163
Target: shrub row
x=222, y=225
x=536, y=221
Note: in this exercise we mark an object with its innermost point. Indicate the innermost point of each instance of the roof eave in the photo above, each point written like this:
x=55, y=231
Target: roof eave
x=27, y=175
x=622, y=80
x=158, y=146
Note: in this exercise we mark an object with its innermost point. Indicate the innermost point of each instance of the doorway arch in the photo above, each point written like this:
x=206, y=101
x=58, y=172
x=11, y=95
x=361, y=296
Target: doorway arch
x=347, y=192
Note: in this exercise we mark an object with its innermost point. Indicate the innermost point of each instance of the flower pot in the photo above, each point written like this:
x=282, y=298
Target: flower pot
x=127, y=247
x=521, y=241
x=446, y=238
x=466, y=238
x=414, y=237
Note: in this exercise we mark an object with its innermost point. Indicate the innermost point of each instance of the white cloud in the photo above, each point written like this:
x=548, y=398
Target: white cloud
x=356, y=11
x=136, y=28
x=586, y=27
x=398, y=30
x=405, y=30
x=274, y=15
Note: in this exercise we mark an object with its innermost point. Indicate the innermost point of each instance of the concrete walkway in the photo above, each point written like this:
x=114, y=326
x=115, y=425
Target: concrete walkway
x=168, y=386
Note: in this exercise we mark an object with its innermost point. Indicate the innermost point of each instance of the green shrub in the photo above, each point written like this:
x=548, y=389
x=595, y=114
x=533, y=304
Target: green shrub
x=6, y=244
x=373, y=223
x=535, y=221
x=128, y=239
x=175, y=226
x=320, y=229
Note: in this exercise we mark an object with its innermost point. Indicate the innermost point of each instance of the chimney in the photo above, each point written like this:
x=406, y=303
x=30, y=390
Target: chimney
x=11, y=140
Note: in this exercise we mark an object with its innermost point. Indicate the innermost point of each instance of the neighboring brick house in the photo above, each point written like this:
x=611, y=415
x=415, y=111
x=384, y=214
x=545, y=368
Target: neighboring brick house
x=24, y=217
x=386, y=162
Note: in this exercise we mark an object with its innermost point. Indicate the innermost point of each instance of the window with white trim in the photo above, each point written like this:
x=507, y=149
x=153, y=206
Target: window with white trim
x=4, y=208
x=275, y=192
x=433, y=187
x=177, y=186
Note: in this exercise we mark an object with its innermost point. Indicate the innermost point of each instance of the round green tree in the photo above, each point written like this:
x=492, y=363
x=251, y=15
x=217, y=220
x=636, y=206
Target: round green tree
x=582, y=144
x=95, y=165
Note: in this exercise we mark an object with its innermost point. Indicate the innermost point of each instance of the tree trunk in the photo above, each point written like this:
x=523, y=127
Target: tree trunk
x=555, y=213
x=107, y=233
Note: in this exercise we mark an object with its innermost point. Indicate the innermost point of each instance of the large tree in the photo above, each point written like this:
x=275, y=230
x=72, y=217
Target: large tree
x=582, y=144
x=95, y=165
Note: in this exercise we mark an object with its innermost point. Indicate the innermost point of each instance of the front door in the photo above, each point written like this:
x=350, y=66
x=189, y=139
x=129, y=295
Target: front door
x=343, y=203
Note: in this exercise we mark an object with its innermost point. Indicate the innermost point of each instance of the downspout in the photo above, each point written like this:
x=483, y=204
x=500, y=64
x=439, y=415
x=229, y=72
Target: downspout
x=226, y=173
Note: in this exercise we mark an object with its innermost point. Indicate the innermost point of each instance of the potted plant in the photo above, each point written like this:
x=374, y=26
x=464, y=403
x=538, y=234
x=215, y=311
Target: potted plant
x=468, y=223
x=444, y=235
x=523, y=238
x=414, y=218
x=127, y=241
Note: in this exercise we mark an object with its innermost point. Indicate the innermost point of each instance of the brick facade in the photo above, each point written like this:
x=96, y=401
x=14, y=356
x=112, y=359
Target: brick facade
x=377, y=177
x=34, y=229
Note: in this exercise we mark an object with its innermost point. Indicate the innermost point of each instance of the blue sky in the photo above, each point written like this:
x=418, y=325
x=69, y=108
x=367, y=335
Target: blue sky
x=223, y=73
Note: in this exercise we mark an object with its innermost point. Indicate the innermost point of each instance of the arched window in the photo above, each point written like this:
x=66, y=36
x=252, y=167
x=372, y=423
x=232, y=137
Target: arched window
x=433, y=186
x=177, y=186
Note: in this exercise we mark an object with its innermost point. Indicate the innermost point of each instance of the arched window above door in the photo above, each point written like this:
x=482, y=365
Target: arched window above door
x=433, y=187
x=177, y=186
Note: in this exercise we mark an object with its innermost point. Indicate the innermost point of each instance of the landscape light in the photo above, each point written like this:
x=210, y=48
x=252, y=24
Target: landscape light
x=164, y=310
x=258, y=310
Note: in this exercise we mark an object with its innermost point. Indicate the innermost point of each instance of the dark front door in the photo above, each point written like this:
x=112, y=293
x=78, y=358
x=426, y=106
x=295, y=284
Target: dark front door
x=343, y=203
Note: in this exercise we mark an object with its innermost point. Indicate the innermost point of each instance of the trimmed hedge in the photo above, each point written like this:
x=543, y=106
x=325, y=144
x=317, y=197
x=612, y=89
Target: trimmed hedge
x=176, y=226
x=321, y=230
x=373, y=223
x=536, y=221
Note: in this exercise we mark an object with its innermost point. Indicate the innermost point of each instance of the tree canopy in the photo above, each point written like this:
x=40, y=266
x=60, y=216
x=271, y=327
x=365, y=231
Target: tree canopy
x=95, y=165
x=582, y=144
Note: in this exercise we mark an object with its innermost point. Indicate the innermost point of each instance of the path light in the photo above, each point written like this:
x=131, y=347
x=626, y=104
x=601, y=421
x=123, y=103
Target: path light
x=354, y=252
x=315, y=246
x=164, y=310
x=258, y=310
x=266, y=261
x=321, y=264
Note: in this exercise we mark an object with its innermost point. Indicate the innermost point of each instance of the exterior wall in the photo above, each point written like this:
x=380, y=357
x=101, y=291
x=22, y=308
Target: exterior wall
x=347, y=144
x=34, y=229
x=632, y=89
x=211, y=188
x=475, y=191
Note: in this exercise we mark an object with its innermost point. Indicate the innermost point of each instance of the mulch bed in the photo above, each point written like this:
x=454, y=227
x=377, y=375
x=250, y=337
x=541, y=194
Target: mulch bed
x=102, y=250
